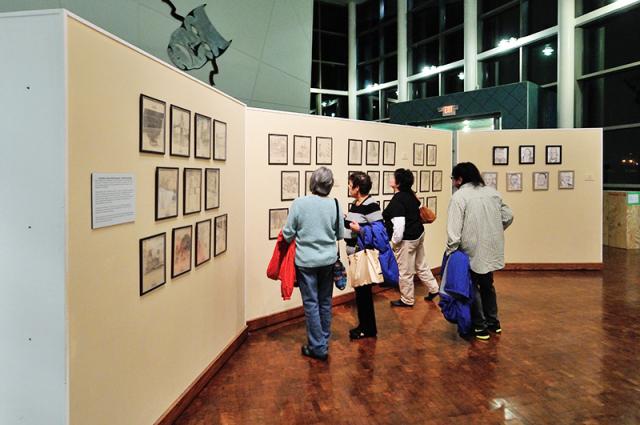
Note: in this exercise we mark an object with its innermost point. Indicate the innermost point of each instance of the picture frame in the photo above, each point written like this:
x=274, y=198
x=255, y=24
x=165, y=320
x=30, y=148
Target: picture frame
x=425, y=181
x=181, y=247
x=153, y=262
x=301, y=150
x=432, y=203
x=386, y=179
x=385, y=204
x=278, y=149
x=553, y=154
x=540, y=180
x=415, y=180
x=373, y=152
x=166, y=192
x=388, y=153
x=436, y=181
x=211, y=188
x=432, y=155
x=501, y=155
x=566, y=180
x=180, y=135
x=527, y=154
x=355, y=152
x=490, y=179
x=192, y=190
x=220, y=235
x=219, y=140
x=375, y=182
x=203, y=242
x=202, y=136
x=514, y=182
x=277, y=219
x=289, y=185
x=421, y=200
x=418, y=154
x=324, y=150
x=307, y=182
x=152, y=116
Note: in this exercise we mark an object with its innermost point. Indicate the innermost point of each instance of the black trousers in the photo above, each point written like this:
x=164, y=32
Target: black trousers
x=366, y=312
x=484, y=309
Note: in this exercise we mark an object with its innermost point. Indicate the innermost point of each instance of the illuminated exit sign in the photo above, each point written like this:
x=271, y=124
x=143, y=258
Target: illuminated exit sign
x=448, y=110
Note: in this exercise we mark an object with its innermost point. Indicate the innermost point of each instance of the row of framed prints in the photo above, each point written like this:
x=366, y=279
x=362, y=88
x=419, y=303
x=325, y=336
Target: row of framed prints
x=153, y=266
x=527, y=155
x=167, y=193
x=540, y=179
x=302, y=146
x=209, y=136
x=420, y=151
x=371, y=156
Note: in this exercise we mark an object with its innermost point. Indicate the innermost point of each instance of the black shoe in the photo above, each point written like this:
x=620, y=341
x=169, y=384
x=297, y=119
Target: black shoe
x=496, y=329
x=357, y=333
x=430, y=296
x=306, y=351
x=400, y=303
x=482, y=334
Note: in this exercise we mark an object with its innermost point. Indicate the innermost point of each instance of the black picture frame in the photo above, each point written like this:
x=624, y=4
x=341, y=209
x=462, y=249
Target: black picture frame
x=422, y=188
x=172, y=109
x=546, y=156
x=435, y=155
x=533, y=155
x=324, y=139
x=142, y=262
x=184, y=191
x=496, y=149
x=372, y=161
x=418, y=160
x=199, y=154
x=206, y=189
x=144, y=118
x=282, y=195
x=225, y=218
x=270, y=228
x=297, y=141
x=271, y=160
x=350, y=160
x=386, y=190
x=433, y=181
x=374, y=175
x=176, y=170
x=435, y=199
x=173, y=250
x=415, y=180
x=307, y=182
x=385, y=203
x=219, y=156
x=385, y=160
x=197, y=244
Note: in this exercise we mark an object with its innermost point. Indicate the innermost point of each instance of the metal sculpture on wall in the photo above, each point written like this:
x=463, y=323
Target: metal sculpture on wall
x=196, y=42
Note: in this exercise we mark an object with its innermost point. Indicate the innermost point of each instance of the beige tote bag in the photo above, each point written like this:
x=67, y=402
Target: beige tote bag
x=364, y=268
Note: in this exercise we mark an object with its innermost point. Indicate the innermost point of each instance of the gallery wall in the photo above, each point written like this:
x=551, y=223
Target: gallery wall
x=264, y=186
x=132, y=355
x=554, y=225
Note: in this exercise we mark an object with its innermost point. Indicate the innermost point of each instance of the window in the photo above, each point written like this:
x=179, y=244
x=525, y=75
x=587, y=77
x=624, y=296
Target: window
x=389, y=96
x=425, y=87
x=621, y=156
x=453, y=13
x=368, y=106
x=329, y=47
x=335, y=106
x=541, y=14
x=376, y=26
x=454, y=47
x=453, y=81
x=612, y=99
x=586, y=6
x=488, y=5
x=500, y=26
x=541, y=61
x=426, y=54
x=501, y=70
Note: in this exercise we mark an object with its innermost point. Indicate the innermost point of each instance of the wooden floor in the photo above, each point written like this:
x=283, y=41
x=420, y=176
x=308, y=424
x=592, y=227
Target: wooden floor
x=569, y=354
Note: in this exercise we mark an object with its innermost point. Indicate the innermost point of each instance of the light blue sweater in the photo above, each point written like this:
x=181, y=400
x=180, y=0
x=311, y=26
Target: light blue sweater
x=312, y=221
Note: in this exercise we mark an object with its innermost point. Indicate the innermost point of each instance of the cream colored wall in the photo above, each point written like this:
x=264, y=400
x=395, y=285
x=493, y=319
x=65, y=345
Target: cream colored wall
x=263, y=187
x=130, y=357
x=555, y=226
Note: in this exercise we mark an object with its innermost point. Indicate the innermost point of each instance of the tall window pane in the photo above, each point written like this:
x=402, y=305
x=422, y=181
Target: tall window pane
x=453, y=13
x=425, y=87
x=542, y=61
x=501, y=70
x=454, y=47
x=368, y=107
x=368, y=75
x=389, y=97
x=453, y=81
x=499, y=27
x=621, y=152
x=613, y=99
x=335, y=106
x=489, y=5
x=425, y=55
x=542, y=14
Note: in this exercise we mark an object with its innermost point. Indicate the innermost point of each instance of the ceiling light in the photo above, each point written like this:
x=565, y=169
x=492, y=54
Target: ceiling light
x=548, y=50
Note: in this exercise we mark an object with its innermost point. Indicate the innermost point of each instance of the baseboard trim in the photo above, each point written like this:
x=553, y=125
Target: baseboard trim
x=185, y=399
x=553, y=266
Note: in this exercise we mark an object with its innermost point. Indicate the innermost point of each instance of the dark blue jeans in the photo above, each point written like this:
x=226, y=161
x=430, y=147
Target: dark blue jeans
x=316, y=288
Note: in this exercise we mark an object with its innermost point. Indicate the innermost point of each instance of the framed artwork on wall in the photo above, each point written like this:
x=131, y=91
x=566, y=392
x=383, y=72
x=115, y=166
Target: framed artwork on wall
x=307, y=182
x=203, y=242
x=418, y=154
x=540, y=180
x=414, y=186
x=166, y=205
x=425, y=181
x=432, y=204
x=277, y=220
x=386, y=182
x=436, y=181
x=501, y=155
x=527, y=154
x=355, y=152
x=202, y=136
x=385, y=204
x=375, y=182
x=278, y=149
x=211, y=188
x=220, y=238
x=566, y=179
x=180, y=135
x=302, y=150
x=289, y=185
x=152, y=117
x=153, y=262
x=553, y=154
x=490, y=179
x=324, y=150
x=192, y=190
x=219, y=140
x=181, y=250
x=432, y=155
x=514, y=182
x=389, y=153
x=373, y=152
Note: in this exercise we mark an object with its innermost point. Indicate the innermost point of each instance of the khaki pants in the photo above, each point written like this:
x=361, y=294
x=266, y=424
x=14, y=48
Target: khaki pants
x=411, y=261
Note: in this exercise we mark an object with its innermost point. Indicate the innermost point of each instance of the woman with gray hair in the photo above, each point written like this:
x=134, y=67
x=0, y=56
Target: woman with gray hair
x=314, y=223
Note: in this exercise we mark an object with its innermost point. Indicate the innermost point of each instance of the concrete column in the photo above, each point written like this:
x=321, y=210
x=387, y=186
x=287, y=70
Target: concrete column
x=402, y=50
x=566, y=63
x=353, y=62
x=471, y=44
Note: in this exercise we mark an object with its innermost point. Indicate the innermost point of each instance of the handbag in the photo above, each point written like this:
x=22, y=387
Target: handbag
x=364, y=267
x=339, y=272
x=427, y=215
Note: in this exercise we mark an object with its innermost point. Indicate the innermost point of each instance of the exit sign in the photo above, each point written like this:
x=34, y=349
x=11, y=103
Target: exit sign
x=633, y=198
x=448, y=110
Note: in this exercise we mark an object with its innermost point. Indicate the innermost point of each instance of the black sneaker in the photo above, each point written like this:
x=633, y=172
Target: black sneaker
x=358, y=334
x=430, y=296
x=306, y=351
x=400, y=303
x=481, y=334
x=496, y=329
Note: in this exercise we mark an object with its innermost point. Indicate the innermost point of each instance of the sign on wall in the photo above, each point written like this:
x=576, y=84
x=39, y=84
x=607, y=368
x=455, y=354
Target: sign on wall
x=113, y=199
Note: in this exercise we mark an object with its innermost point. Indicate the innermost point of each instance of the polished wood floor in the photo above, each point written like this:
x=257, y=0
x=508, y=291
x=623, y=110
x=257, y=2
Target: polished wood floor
x=569, y=354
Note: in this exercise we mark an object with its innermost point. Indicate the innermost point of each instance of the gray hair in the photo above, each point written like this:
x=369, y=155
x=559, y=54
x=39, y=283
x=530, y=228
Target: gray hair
x=321, y=181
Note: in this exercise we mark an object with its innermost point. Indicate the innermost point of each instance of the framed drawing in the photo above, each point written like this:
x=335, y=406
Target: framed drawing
x=436, y=181
x=501, y=155
x=432, y=204
x=490, y=179
x=289, y=185
x=375, y=182
x=278, y=149
x=302, y=150
x=418, y=154
x=152, y=114
x=386, y=182
x=166, y=192
x=153, y=262
x=415, y=181
x=307, y=182
x=219, y=140
x=192, y=190
x=203, y=242
x=355, y=152
x=211, y=188
x=180, y=136
x=432, y=154
x=385, y=204
x=514, y=182
x=373, y=152
x=554, y=154
x=527, y=154
x=324, y=150
x=388, y=153
x=566, y=179
x=202, y=136
x=220, y=237
x=181, y=250
x=277, y=220
x=421, y=199
x=540, y=180
x=425, y=181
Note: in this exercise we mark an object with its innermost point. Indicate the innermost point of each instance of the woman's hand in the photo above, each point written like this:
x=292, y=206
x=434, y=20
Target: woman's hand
x=355, y=227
